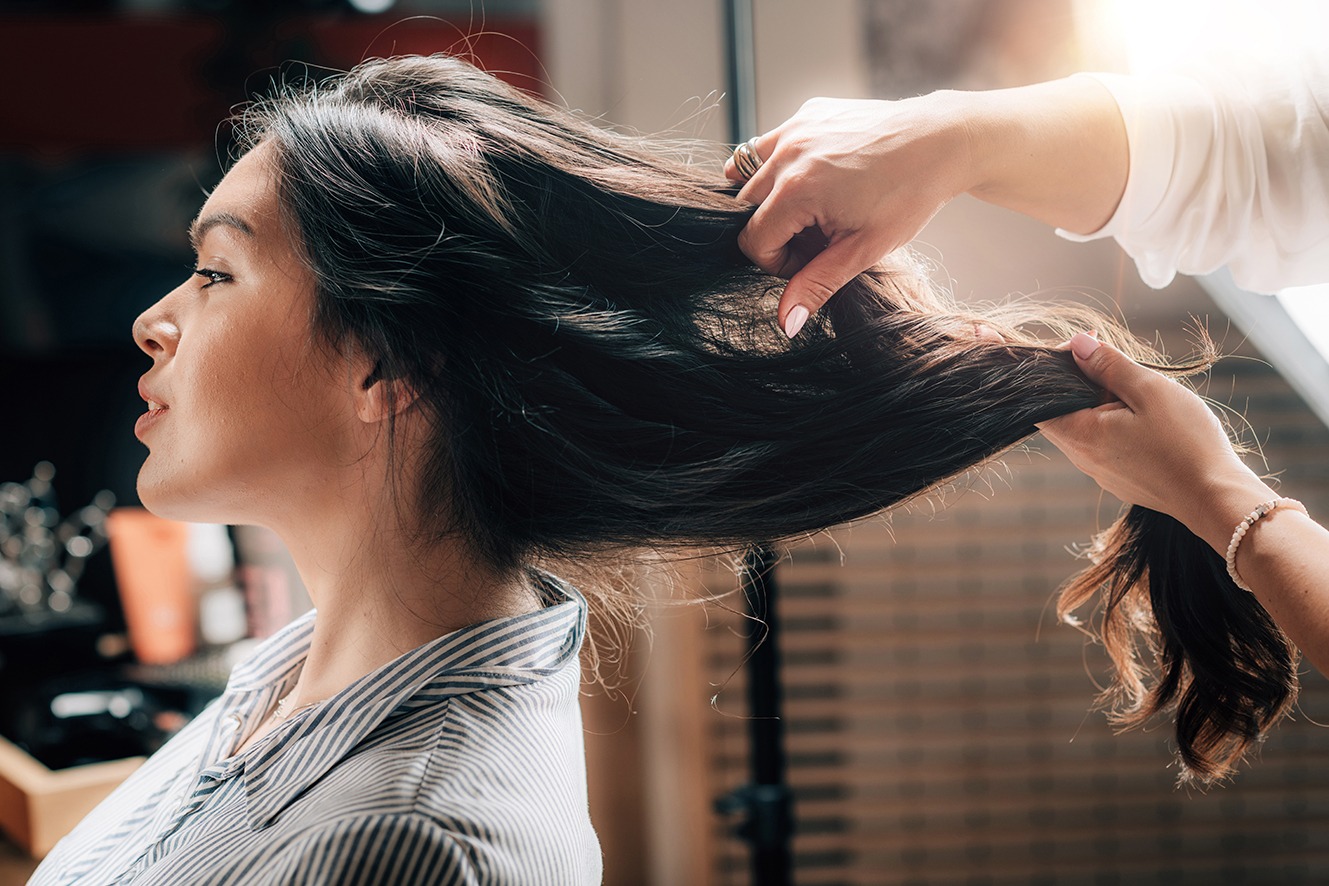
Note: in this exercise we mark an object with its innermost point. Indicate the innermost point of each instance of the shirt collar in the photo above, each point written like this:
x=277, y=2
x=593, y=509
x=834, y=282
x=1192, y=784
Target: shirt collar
x=488, y=655
x=276, y=658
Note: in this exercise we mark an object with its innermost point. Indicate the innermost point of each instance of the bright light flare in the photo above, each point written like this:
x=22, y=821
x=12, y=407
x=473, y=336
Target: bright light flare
x=1160, y=35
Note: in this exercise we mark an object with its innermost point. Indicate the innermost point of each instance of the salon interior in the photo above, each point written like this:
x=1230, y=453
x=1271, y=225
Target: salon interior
x=933, y=722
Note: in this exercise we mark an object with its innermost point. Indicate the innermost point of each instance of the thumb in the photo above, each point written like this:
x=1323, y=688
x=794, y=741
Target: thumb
x=819, y=279
x=1110, y=369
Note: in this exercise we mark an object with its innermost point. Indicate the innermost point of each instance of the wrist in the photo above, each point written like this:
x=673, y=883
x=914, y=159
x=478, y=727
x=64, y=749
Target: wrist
x=1262, y=514
x=1055, y=151
x=1221, y=504
x=987, y=134
x=944, y=134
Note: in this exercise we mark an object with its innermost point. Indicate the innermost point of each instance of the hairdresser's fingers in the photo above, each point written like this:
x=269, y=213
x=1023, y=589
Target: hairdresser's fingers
x=758, y=189
x=764, y=145
x=1113, y=371
x=776, y=169
x=1084, y=426
x=1160, y=447
x=731, y=168
x=777, y=172
x=1098, y=442
x=823, y=276
x=1064, y=432
x=767, y=236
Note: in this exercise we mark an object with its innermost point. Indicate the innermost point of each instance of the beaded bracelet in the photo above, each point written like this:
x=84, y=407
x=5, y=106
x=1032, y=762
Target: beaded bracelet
x=1244, y=526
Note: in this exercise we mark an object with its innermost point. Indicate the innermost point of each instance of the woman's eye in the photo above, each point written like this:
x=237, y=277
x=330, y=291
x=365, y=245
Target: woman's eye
x=213, y=277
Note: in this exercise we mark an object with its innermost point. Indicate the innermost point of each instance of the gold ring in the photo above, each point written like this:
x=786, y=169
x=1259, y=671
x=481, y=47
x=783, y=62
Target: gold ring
x=746, y=159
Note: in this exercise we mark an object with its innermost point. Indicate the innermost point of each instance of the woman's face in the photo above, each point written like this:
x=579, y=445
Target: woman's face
x=246, y=413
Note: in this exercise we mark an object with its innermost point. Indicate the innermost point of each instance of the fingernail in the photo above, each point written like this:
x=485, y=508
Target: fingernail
x=1083, y=345
x=798, y=315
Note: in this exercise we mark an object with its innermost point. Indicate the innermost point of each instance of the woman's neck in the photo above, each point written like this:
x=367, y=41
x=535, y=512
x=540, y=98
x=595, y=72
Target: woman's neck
x=380, y=594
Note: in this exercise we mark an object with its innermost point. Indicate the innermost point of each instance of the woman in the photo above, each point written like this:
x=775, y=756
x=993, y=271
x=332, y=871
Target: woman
x=443, y=337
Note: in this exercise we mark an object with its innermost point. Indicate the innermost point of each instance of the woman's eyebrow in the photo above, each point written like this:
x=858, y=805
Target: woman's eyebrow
x=199, y=227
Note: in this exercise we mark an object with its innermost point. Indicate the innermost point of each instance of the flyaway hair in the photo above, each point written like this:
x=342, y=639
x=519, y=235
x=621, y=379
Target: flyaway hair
x=605, y=374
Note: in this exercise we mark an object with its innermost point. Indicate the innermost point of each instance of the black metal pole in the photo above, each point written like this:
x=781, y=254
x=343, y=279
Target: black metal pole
x=770, y=810
x=766, y=802
x=742, y=70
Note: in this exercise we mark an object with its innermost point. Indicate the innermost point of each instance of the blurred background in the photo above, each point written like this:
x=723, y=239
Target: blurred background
x=938, y=717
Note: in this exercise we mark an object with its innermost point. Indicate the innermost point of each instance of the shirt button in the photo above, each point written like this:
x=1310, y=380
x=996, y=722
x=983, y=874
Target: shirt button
x=233, y=722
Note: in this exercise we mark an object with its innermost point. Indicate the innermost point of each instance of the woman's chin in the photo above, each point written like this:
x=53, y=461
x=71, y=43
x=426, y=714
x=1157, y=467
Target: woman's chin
x=168, y=509
x=170, y=500
x=187, y=500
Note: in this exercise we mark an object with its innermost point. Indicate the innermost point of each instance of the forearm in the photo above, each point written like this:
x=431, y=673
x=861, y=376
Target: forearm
x=1284, y=558
x=1054, y=151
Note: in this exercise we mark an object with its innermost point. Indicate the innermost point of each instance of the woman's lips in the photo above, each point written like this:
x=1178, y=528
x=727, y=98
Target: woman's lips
x=156, y=409
x=149, y=418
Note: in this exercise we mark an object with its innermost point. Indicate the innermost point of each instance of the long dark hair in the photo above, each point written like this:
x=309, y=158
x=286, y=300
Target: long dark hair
x=606, y=375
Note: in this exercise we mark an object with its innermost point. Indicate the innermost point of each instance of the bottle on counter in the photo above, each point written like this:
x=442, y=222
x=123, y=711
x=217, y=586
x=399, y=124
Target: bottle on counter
x=222, y=618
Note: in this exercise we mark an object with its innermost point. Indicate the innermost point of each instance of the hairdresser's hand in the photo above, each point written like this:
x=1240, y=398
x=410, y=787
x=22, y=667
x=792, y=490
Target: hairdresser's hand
x=1158, y=445
x=867, y=174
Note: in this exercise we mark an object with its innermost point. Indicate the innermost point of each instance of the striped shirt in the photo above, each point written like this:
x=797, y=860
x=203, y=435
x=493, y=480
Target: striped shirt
x=460, y=762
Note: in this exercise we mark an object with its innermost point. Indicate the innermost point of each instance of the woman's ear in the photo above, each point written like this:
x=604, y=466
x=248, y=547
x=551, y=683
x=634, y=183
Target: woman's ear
x=380, y=395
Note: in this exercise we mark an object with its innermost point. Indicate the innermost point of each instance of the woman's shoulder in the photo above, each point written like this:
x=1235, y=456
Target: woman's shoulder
x=474, y=788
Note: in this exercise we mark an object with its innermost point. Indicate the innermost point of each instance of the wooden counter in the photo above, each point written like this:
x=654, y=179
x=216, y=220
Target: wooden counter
x=38, y=806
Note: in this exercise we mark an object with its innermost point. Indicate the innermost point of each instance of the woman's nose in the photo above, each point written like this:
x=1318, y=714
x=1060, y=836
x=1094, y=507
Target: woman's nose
x=156, y=332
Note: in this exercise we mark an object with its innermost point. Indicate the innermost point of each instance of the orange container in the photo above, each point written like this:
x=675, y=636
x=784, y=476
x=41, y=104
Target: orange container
x=156, y=587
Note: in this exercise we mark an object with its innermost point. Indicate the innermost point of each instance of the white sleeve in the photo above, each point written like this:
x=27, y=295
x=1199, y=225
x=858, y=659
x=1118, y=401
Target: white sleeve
x=1226, y=168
